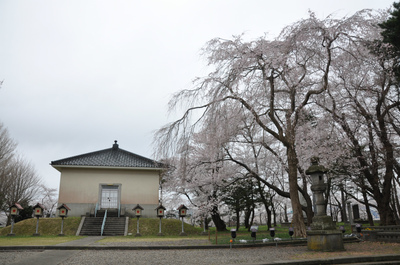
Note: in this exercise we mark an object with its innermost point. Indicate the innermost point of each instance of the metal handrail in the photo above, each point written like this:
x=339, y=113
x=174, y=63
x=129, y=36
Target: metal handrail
x=95, y=209
x=119, y=208
x=104, y=222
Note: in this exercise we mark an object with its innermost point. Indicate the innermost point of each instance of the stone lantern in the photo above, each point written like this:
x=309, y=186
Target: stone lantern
x=15, y=208
x=323, y=235
x=138, y=212
x=38, y=212
x=160, y=213
x=63, y=212
x=318, y=186
x=182, y=213
x=14, y=211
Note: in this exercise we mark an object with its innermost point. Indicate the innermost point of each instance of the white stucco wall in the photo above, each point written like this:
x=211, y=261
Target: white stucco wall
x=80, y=188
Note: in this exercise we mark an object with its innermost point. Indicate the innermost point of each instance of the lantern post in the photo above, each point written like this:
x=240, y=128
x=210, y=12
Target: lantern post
x=138, y=212
x=291, y=232
x=63, y=212
x=254, y=230
x=14, y=211
x=160, y=213
x=38, y=212
x=182, y=213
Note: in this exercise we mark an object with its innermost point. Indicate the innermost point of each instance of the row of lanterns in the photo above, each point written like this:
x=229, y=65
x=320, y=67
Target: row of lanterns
x=254, y=230
x=63, y=212
x=182, y=210
x=38, y=212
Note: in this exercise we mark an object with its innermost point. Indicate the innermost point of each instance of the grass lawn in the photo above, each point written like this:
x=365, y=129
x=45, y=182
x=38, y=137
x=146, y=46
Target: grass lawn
x=35, y=241
x=49, y=228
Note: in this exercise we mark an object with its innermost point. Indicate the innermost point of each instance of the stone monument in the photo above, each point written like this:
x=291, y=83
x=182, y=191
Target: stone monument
x=323, y=235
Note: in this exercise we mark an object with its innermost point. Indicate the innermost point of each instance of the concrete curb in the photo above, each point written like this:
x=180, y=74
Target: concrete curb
x=345, y=260
x=169, y=247
x=85, y=244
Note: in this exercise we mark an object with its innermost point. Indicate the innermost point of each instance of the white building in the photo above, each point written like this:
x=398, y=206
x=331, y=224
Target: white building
x=112, y=179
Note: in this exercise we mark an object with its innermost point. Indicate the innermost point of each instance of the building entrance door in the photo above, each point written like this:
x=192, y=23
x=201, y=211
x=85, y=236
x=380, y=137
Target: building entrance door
x=109, y=197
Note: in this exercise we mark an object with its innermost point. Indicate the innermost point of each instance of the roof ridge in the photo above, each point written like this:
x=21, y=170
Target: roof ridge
x=110, y=157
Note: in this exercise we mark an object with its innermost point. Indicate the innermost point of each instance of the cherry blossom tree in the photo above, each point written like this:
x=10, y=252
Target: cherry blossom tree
x=272, y=85
x=366, y=101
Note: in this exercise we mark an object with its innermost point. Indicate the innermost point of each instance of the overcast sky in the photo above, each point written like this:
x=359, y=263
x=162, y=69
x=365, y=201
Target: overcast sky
x=80, y=74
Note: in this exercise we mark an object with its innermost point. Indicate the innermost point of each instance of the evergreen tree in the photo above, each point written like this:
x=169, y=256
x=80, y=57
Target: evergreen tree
x=391, y=35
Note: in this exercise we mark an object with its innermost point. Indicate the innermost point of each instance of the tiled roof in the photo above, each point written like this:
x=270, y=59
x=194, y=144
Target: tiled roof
x=112, y=157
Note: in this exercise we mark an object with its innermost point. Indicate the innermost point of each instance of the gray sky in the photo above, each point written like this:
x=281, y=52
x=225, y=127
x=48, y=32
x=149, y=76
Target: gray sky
x=80, y=74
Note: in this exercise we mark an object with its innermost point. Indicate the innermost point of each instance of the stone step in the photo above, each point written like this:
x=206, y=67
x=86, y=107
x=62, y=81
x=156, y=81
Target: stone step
x=114, y=226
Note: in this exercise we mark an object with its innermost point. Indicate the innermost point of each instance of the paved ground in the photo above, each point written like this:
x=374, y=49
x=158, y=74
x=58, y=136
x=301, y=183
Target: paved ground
x=47, y=257
x=259, y=255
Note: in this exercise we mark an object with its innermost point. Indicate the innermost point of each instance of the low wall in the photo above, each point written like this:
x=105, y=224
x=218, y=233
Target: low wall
x=390, y=233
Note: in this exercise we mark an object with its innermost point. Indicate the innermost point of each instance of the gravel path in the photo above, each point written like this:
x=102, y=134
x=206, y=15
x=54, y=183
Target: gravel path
x=196, y=256
x=213, y=256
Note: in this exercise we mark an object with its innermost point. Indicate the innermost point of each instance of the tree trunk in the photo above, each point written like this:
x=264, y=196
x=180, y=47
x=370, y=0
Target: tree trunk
x=393, y=205
x=396, y=202
x=237, y=219
x=273, y=212
x=247, y=215
x=265, y=202
x=286, y=216
x=343, y=211
x=252, y=217
x=298, y=220
x=218, y=222
x=367, y=208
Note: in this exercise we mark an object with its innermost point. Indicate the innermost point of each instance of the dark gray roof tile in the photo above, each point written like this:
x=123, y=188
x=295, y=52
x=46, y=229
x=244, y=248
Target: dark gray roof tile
x=112, y=157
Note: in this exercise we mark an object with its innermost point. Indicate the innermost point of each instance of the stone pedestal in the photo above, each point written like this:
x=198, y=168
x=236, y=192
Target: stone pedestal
x=324, y=236
x=325, y=240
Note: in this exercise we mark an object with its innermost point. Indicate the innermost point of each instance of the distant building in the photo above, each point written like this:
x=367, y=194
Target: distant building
x=112, y=179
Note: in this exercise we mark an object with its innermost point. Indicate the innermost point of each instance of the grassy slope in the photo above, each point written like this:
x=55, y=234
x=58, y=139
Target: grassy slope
x=149, y=228
x=47, y=227
x=169, y=227
x=52, y=227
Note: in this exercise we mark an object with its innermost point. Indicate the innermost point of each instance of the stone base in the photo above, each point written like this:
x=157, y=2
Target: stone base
x=204, y=233
x=324, y=222
x=160, y=234
x=36, y=234
x=325, y=240
x=11, y=234
x=61, y=235
x=183, y=234
x=138, y=234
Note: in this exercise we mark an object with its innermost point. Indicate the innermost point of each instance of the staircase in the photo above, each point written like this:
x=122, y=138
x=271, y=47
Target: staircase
x=91, y=226
x=114, y=226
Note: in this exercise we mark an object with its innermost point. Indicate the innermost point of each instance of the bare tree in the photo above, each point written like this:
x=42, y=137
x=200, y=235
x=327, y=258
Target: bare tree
x=18, y=179
x=48, y=200
x=7, y=149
